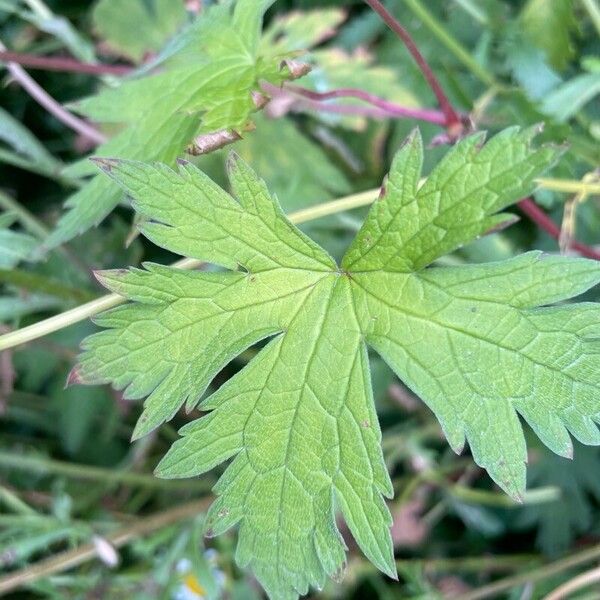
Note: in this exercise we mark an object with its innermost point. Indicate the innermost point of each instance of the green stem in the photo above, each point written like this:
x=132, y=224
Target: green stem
x=40, y=9
x=463, y=55
x=34, y=282
x=594, y=12
x=14, y=503
x=475, y=11
x=540, y=495
x=37, y=228
x=494, y=589
x=62, y=320
x=28, y=221
x=468, y=564
x=568, y=186
x=335, y=206
x=91, y=473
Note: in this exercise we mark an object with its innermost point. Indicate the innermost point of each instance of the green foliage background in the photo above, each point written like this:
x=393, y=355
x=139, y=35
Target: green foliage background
x=68, y=473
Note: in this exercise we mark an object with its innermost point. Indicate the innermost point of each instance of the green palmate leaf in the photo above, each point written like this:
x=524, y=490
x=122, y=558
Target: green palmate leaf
x=299, y=421
x=205, y=87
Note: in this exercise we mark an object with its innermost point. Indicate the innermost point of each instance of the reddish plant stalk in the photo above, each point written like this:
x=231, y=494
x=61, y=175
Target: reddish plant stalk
x=543, y=221
x=59, y=63
x=389, y=108
x=41, y=96
x=452, y=119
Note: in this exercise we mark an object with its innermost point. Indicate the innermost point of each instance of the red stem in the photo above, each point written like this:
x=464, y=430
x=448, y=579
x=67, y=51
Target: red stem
x=452, y=119
x=390, y=108
x=56, y=63
x=543, y=221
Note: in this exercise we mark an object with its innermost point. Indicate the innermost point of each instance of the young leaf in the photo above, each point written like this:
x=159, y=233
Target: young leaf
x=299, y=421
x=206, y=88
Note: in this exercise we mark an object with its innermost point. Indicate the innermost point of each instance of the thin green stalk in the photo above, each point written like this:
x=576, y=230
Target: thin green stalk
x=540, y=495
x=569, y=186
x=91, y=473
x=475, y=11
x=470, y=564
x=34, y=282
x=37, y=228
x=493, y=590
x=40, y=9
x=567, y=589
x=80, y=313
x=594, y=11
x=60, y=321
x=335, y=206
x=14, y=503
x=29, y=222
x=439, y=31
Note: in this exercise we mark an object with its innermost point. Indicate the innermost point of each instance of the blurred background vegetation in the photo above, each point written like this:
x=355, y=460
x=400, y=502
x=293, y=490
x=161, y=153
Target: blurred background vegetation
x=81, y=515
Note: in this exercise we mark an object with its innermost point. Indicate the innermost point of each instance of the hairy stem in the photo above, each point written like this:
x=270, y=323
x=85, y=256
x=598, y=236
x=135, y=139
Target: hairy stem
x=451, y=116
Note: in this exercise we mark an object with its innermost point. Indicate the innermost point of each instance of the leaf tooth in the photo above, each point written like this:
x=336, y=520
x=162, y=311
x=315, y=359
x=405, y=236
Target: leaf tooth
x=110, y=278
x=106, y=164
x=74, y=376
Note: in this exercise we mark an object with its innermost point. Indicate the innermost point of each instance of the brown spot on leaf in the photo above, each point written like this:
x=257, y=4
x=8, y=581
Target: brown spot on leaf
x=106, y=164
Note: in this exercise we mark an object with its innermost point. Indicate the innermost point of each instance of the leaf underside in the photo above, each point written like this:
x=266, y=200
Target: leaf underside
x=477, y=343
